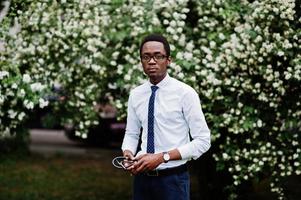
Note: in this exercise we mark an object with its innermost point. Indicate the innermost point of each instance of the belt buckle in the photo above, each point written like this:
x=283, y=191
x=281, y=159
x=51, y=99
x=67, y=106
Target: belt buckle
x=152, y=173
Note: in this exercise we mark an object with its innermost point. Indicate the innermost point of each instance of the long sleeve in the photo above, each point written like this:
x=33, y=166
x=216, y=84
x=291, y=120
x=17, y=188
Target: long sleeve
x=198, y=128
x=133, y=127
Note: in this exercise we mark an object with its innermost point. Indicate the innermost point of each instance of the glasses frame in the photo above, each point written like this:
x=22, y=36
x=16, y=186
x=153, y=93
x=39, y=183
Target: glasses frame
x=154, y=57
x=119, y=161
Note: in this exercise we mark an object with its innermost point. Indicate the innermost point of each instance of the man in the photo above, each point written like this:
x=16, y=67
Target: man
x=173, y=125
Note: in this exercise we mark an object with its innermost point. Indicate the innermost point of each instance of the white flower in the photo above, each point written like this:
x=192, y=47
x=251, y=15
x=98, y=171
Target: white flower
x=1, y=99
x=22, y=93
x=92, y=48
x=113, y=63
x=127, y=77
x=14, y=86
x=80, y=95
x=275, y=84
x=21, y=116
x=212, y=44
x=188, y=56
x=181, y=75
x=41, y=61
x=3, y=73
x=288, y=76
x=170, y=30
x=221, y=36
x=95, y=67
x=237, y=168
x=280, y=53
x=181, y=41
x=172, y=23
x=4, y=10
x=12, y=114
x=43, y=103
x=26, y=78
x=112, y=85
x=28, y=104
x=189, y=46
x=259, y=123
x=77, y=133
x=179, y=55
x=36, y=87
x=225, y=156
x=115, y=54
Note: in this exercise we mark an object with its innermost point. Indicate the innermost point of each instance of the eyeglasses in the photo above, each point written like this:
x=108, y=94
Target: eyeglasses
x=156, y=57
x=122, y=162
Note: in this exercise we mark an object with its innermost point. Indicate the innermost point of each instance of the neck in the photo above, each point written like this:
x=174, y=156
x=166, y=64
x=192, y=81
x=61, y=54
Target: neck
x=157, y=79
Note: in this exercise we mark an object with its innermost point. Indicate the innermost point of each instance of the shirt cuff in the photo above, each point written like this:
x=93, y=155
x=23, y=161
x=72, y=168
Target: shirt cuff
x=185, y=152
x=129, y=145
x=194, y=149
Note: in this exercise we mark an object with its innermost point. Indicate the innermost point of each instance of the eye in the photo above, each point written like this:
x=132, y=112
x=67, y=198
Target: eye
x=145, y=57
x=159, y=56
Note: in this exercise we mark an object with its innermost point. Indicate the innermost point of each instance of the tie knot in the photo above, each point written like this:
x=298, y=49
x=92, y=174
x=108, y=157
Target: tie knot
x=154, y=88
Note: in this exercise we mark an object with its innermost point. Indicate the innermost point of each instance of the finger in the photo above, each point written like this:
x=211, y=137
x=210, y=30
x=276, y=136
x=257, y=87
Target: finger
x=141, y=156
x=139, y=164
x=138, y=157
x=131, y=157
x=132, y=166
x=127, y=165
x=133, y=171
x=141, y=168
x=128, y=157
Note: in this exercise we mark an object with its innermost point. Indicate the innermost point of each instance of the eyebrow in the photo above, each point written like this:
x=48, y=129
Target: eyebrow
x=157, y=52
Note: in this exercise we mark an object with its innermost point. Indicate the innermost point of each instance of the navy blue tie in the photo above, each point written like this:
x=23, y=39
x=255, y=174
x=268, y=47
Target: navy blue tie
x=150, y=128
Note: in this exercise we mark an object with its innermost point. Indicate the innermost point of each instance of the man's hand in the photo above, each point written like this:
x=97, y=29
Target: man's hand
x=146, y=162
x=130, y=159
x=128, y=154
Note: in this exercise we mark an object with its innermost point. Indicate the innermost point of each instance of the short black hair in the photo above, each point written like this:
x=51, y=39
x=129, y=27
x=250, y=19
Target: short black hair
x=157, y=38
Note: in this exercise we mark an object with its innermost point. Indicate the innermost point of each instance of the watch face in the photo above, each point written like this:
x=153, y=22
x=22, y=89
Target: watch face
x=166, y=157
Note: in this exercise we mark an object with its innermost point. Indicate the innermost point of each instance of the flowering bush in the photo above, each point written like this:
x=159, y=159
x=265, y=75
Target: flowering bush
x=88, y=48
x=19, y=94
x=250, y=77
x=64, y=44
x=241, y=56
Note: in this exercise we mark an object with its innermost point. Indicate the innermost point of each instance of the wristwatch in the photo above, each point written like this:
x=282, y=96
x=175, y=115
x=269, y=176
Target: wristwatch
x=166, y=157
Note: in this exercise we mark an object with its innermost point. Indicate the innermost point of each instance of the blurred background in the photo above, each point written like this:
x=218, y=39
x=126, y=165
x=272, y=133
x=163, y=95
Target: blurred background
x=67, y=67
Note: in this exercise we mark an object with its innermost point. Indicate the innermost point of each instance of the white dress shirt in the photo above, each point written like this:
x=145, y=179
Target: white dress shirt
x=177, y=113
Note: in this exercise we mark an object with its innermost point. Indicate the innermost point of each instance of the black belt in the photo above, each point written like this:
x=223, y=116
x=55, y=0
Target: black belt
x=167, y=171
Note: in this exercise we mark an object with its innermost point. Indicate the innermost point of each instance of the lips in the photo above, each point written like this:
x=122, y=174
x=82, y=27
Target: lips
x=152, y=69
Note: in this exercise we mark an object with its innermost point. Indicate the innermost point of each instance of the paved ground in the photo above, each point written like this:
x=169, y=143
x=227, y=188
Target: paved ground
x=50, y=142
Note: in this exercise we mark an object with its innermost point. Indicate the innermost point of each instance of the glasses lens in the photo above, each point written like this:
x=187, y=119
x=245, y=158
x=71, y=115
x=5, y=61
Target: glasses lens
x=156, y=57
x=146, y=58
x=159, y=57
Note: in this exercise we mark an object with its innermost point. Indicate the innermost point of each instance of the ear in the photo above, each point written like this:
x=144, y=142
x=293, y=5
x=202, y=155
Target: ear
x=168, y=61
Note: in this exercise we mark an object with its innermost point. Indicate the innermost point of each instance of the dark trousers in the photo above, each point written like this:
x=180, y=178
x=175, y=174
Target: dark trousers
x=171, y=187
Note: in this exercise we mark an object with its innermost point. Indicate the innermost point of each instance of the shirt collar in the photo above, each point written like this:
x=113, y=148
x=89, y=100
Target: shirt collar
x=163, y=82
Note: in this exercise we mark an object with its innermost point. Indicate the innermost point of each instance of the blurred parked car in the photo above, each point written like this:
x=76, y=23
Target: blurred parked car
x=108, y=130
x=48, y=117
